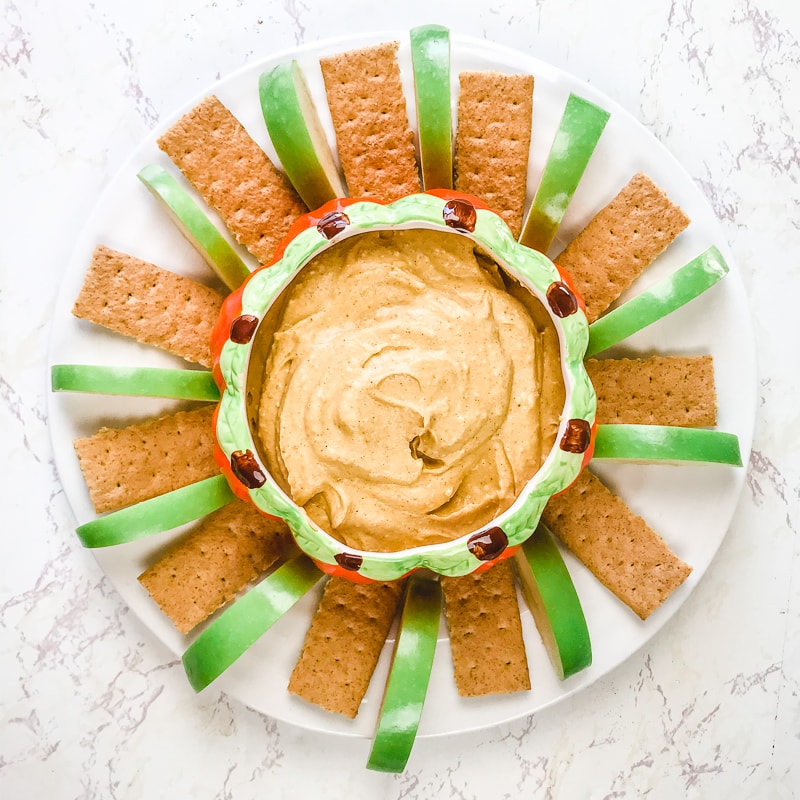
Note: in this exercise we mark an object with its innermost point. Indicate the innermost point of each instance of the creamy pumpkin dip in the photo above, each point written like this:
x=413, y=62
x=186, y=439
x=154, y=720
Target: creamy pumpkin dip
x=411, y=389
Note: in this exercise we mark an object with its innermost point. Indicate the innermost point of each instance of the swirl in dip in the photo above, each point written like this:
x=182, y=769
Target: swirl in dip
x=411, y=390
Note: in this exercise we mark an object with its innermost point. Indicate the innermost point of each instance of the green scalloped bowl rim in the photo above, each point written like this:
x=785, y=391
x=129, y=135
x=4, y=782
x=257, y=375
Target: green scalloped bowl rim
x=305, y=241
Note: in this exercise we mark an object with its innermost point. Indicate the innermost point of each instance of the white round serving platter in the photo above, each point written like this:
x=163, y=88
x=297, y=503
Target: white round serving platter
x=690, y=506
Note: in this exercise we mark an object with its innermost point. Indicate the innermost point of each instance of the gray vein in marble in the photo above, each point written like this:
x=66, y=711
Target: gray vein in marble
x=272, y=748
x=652, y=75
x=16, y=53
x=129, y=707
x=742, y=684
x=15, y=405
x=16, y=46
x=453, y=771
x=226, y=793
x=680, y=729
x=766, y=29
x=762, y=470
x=126, y=51
x=223, y=713
x=681, y=19
x=295, y=10
x=778, y=156
x=534, y=766
x=776, y=47
x=11, y=399
x=724, y=201
x=408, y=783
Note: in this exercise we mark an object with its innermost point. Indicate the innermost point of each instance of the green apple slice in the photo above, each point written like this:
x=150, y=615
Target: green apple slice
x=554, y=603
x=430, y=56
x=409, y=674
x=666, y=296
x=297, y=135
x=159, y=514
x=244, y=622
x=576, y=138
x=666, y=443
x=195, y=225
x=176, y=384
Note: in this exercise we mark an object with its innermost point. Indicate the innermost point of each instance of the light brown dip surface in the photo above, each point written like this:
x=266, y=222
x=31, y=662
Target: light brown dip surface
x=409, y=395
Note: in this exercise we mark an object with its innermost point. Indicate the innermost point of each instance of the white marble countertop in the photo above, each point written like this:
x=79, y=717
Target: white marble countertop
x=92, y=706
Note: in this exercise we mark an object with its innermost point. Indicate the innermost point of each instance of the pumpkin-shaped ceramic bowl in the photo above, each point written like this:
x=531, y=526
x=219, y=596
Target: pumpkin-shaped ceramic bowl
x=243, y=337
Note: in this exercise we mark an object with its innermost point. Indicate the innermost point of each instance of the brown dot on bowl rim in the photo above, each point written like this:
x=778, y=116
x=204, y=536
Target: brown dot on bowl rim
x=460, y=215
x=349, y=561
x=577, y=436
x=333, y=223
x=247, y=469
x=243, y=328
x=487, y=545
x=561, y=299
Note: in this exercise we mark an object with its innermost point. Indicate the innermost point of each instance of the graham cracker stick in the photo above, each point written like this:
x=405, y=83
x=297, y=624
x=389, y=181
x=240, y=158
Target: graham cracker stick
x=659, y=390
x=123, y=466
x=368, y=109
x=344, y=642
x=620, y=241
x=150, y=304
x=234, y=176
x=493, y=138
x=209, y=567
x=619, y=548
x=486, y=633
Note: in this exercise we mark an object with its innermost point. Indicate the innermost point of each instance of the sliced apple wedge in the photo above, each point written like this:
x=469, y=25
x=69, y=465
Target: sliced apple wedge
x=666, y=296
x=195, y=225
x=297, y=135
x=666, y=443
x=176, y=384
x=430, y=56
x=159, y=514
x=554, y=603
x=576, y=138
x=237, y=628
x=409, y=674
